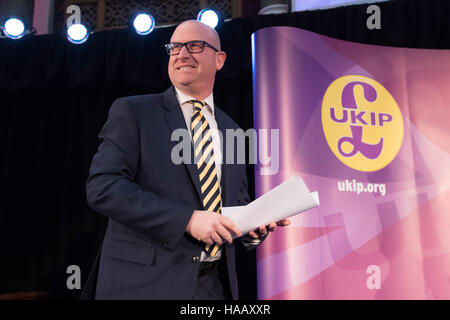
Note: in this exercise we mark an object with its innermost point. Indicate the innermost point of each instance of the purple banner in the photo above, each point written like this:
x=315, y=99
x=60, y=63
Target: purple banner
x=367, y=127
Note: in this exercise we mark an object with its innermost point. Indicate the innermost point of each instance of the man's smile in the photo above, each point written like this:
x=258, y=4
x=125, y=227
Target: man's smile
x=186, y=68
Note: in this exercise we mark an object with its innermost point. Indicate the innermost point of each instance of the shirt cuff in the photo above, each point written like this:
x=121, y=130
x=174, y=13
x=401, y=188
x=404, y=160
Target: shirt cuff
x=249, y=242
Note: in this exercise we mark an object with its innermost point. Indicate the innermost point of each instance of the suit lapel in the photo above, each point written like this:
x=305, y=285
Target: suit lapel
x=224, y=180
x=175, y=119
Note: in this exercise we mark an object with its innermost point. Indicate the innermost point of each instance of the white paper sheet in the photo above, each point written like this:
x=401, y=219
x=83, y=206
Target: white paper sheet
x=286, y=200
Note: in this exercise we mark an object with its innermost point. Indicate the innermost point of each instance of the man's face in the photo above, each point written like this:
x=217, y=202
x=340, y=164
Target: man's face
x=194, y=73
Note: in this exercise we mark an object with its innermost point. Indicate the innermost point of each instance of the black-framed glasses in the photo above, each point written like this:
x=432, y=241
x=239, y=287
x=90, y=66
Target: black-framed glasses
x=194, y=46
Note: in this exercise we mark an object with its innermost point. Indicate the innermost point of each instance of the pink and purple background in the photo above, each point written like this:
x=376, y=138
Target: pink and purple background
x=326, y=251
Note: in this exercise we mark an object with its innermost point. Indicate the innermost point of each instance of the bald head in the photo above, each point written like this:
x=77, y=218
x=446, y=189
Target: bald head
x=194, y=73
x=194, y=27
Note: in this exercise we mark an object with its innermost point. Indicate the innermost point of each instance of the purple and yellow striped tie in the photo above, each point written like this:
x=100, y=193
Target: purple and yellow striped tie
x=204, y=158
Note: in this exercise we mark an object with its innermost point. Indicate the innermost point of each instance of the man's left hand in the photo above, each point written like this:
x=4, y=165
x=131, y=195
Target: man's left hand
x=262, y=231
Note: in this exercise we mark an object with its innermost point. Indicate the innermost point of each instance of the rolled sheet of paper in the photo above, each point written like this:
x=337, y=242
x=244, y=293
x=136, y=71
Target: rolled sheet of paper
x=285, y=200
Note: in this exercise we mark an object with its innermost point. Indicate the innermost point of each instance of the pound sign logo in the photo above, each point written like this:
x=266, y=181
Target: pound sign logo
x=362, y=123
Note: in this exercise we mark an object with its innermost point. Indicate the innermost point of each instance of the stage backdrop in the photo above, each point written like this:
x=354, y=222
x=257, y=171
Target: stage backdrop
x=368, y=128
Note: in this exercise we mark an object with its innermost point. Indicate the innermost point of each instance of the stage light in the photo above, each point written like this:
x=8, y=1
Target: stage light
x=77, y=33
x=14, y=28
x=16, y=18
x=208, y=17
x=143, y=23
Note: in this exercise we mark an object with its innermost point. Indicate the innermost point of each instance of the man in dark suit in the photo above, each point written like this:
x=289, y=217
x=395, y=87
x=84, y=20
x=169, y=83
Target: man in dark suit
x=166, y=238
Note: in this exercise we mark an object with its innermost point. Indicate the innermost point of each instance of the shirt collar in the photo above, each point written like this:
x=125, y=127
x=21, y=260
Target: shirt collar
x=183, y=98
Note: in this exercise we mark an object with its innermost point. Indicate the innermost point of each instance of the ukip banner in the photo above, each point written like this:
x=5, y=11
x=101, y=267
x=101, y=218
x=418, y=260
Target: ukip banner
x=368, y=128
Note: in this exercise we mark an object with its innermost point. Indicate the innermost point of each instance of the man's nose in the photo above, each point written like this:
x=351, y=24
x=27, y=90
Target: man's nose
x=184, y=52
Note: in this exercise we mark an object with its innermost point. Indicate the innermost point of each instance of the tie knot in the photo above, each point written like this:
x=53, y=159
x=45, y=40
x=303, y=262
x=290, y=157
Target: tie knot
x=198, y=104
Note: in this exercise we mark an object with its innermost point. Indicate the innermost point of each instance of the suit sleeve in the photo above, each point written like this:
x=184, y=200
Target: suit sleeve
x=111, y=190
x=248, y=242
x=244, y=197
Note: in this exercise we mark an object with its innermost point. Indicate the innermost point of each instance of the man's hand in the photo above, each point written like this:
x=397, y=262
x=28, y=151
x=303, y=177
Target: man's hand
x=211, y=227
x=263, y=230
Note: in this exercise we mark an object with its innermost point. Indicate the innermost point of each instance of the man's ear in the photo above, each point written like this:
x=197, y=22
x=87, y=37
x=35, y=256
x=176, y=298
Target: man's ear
x=220, y=59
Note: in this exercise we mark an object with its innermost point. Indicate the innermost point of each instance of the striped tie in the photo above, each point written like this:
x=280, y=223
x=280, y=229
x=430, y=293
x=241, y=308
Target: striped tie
x=204, y=158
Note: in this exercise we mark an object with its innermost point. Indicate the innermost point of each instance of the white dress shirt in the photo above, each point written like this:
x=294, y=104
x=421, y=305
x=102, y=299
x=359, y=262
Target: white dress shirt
x=208, y=113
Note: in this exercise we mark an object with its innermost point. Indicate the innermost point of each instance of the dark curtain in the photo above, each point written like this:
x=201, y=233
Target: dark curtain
x=54, y=99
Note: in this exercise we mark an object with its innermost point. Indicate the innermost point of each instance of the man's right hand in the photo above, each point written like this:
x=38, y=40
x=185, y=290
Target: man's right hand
x=210, y=227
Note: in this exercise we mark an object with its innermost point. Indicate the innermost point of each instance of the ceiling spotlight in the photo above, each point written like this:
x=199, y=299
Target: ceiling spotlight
x=208, y=17
x=16, y=18
x=144, y=23
x=14, y=28
x=77, y=33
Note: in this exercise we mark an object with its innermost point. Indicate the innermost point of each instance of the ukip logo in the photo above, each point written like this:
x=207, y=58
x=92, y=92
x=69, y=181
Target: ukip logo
x=362, y=123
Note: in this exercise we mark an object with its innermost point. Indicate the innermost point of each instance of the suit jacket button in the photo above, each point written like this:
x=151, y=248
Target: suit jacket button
x=195, y=259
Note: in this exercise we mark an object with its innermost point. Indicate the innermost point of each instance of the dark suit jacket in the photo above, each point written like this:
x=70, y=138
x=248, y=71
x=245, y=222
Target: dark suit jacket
x=146, y=253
